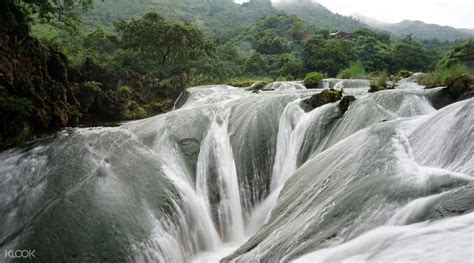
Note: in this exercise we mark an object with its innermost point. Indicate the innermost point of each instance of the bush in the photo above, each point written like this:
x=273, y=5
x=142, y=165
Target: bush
x=442, y=75
x=86, y=93
x=13, y=120
x=404, y=73
x=379, y=82
x=15, y=107
x=312, y=79
x=354, y=71
x=135, y=111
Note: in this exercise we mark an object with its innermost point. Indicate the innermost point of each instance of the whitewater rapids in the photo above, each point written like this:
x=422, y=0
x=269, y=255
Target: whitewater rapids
x=234, y=176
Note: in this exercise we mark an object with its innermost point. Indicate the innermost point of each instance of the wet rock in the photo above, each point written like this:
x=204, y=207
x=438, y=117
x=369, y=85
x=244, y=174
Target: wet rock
x=460, y=87
x=183, y=97
x=57, y=67
x=257, y=86
x=345, y=103
x=325, y=97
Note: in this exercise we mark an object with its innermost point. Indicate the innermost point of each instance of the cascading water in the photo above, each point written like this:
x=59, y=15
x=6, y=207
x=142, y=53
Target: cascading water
x=216, y=146
x=247, y=177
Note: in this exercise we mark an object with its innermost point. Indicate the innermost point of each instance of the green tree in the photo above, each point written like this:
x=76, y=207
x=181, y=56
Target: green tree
x=289, y=66
x=373, y=53
x=411, y=55
x=171, y=47
x=14, y=12
x=99, y=40
x=270, y=43
x=256, y=65
x=328, y=56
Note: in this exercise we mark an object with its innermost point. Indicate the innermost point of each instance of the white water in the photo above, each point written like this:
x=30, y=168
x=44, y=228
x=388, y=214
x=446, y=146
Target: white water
x=285, y=86
x=203, y=235
x=216, y=145
x=345, y=188
x=445, y=240
x=294, y=123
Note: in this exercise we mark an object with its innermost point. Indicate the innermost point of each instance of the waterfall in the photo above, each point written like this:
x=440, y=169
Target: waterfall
x=294, y=123
x=285, y=86
x=196, y=208
x=216, y=156
x=242, y=177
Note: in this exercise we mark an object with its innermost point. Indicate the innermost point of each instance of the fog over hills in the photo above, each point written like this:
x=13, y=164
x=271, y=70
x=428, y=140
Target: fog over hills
x=418, y=29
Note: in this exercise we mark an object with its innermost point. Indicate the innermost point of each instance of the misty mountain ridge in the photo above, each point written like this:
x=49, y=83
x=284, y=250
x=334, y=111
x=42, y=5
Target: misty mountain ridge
x=224, y=18
x=417, y=28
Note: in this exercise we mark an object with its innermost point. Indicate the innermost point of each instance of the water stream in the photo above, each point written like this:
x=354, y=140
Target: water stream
x=234, y=176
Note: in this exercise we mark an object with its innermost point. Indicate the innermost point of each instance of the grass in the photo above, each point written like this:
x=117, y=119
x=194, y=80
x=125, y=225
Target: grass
x=354, y=71
x=443, y=74
x=378, y=82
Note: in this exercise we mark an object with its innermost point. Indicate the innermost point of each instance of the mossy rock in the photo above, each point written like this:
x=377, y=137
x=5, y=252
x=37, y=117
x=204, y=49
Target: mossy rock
x=320, y=99
x=459, y=86
x=312, y=79
x=375, y=88
x=245, y=83
x=345, y=103
x=257, y=86
x=404, y=73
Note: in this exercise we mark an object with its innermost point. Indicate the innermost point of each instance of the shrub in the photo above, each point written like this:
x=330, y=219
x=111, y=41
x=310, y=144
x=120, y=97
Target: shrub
x=15, y=107
x=312, y=79
x=354, y=71
x=404, y=73
x=86, y=94
x=442, y=75
x=379, y=82
x=135, y=111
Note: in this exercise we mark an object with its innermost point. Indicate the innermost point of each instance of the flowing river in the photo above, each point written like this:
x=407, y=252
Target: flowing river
x=234, y=176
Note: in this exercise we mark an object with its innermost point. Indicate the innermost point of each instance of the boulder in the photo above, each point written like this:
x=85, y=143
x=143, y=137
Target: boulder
x=325, y=97
x=345, y=103
x=257, y=86
x=460, y=87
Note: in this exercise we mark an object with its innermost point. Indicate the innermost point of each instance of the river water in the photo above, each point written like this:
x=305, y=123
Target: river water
x=234, y=176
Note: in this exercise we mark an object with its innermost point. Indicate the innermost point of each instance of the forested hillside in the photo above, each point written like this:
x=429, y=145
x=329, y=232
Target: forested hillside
x=419, y=29
x=127, y=59
x=316, y=14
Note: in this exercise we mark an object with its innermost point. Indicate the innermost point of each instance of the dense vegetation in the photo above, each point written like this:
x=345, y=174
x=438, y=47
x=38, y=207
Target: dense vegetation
x=127, y=59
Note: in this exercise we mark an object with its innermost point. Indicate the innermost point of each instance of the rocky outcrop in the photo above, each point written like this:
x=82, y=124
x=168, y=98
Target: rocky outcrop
x=40, y=93
x=345, y=103
x=319, y=99
x=35, y=96
x=457, y=89
x=460, y=87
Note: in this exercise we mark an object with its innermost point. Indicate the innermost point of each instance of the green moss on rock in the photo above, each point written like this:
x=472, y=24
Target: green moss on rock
x=345, y=103
x=325, y=97
x=459, y=86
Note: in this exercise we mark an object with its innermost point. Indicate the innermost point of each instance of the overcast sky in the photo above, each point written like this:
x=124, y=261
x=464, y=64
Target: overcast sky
x=456, y=13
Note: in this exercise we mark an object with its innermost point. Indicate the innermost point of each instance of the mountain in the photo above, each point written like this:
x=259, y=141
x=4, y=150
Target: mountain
x=223, y=19
x=220, y=19
x=418, y=29
x=318, y=15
